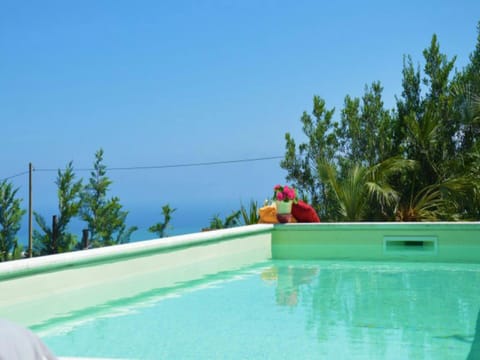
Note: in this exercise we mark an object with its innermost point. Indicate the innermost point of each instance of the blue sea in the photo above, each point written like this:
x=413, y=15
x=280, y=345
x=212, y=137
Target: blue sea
x=185, y=220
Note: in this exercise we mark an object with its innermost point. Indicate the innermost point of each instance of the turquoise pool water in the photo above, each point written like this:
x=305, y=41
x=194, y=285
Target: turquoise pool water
x=286, y=310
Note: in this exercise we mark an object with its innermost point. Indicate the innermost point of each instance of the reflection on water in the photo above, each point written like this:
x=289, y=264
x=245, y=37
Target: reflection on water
x=388, y=311
x=288, y=281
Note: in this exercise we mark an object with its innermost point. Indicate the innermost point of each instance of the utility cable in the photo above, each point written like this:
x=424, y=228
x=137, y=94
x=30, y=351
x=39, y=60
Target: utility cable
x=152, y=167
x=14, y=176
x=183, y=165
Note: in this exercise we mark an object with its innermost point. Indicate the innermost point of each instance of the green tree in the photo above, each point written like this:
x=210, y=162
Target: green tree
x=362, y=137
x=411, y=99
x=57, y=239
x=301, y=163
x=439, y=100
x=466, y=90
x=10, y=217
x=161, y=227
x=438, y=130
x=104, y=216
x=366, y=128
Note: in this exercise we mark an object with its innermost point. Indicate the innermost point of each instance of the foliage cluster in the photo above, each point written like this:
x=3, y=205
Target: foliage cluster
x=10, y=217
x=105, y=218
x=245, y=216
x=160, y=228
x=417, y=162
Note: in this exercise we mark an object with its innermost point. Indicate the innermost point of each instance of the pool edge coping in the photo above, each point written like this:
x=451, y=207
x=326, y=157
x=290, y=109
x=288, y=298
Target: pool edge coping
x=31, y=266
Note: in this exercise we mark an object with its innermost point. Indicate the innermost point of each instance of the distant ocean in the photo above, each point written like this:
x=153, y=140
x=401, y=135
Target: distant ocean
x=143, y=233
x=184, y=221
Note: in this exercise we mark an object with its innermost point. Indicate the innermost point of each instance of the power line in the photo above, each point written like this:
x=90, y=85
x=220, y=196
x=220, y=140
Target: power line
x=182, y=165
x=166, y=166
x=14, y=176
x=210, y=163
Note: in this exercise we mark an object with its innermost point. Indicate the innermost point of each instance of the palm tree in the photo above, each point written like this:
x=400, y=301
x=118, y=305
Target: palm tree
x=364, y=188
x=440, y=201
x=425, y=205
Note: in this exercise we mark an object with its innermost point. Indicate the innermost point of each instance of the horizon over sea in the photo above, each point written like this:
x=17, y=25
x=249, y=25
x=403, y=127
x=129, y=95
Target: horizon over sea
x=185, y=220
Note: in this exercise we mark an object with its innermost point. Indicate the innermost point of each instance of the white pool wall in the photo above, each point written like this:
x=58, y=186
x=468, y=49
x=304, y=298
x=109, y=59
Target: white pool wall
x=35, y=290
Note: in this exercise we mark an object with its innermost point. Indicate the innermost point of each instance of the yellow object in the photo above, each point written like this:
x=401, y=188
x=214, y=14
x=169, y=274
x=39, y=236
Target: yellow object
x=268, y=215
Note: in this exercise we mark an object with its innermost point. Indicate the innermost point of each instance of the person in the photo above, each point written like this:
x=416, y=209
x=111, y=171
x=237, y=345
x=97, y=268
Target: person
x=19, y=343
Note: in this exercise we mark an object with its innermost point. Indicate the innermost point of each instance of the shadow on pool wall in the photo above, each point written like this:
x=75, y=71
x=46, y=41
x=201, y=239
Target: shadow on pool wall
x=475, y=349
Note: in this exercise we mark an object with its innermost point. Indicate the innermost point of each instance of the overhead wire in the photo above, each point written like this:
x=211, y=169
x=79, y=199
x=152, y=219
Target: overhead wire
x=14, y=176
x=152, y=167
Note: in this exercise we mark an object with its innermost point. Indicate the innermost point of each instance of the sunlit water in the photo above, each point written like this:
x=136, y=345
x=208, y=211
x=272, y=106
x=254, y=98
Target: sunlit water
x=289, y=310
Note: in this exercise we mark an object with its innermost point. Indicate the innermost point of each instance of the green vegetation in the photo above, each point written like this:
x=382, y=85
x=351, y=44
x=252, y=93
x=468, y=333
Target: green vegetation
x=420, y=161
x=104, y=217
x=10, y=217
x=161, y=227
x=250, y=216
x=363, y=186
x=56, y=238
x=231, y=220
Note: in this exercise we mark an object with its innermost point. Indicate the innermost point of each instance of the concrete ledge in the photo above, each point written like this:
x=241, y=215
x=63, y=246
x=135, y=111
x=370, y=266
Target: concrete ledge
x=26, y=267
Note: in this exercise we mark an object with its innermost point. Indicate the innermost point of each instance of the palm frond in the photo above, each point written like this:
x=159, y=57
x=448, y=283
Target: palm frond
x=250, y=216
x=427, y=205
x=232, y=219
x=382, y=171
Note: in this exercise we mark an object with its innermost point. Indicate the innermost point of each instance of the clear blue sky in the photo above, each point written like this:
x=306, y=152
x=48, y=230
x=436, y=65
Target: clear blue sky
x=168, y=82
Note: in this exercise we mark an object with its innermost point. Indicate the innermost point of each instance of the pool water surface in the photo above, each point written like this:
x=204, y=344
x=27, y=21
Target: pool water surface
x=282, y=309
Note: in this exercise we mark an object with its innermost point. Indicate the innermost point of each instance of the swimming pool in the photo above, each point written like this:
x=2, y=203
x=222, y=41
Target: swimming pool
x=237, y=295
